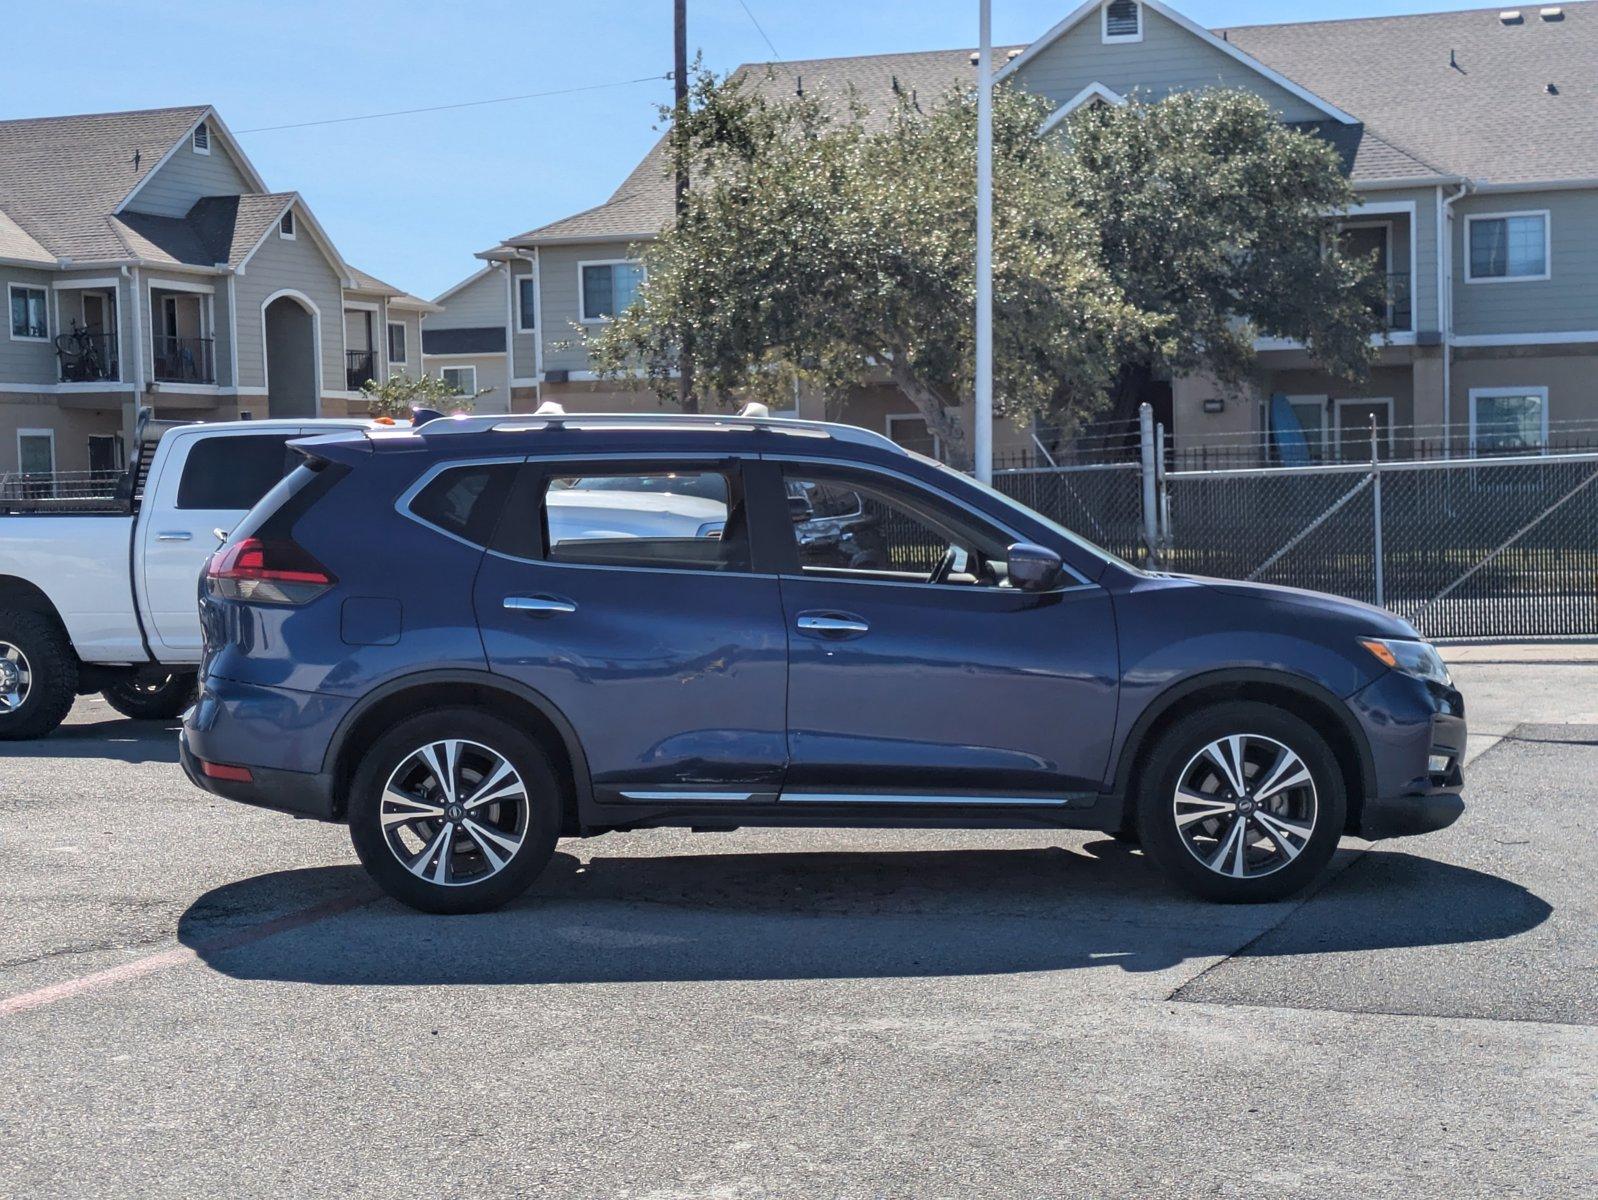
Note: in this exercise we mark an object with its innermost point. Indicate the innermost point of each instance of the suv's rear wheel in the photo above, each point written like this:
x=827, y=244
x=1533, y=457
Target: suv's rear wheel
x=1242, y=802
x=454, y=811
x=38, y=674
x=154, y=699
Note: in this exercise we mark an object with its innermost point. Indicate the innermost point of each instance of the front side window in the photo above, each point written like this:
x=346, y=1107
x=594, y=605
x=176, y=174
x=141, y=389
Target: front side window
x=1505, y=422
x=609, y=288
x=462, y=380
x=396, y=342
x=857, y=526
x=232, y=473
x=1509, y=247
x=690, y=519
x=28, y=314
x=526, y=304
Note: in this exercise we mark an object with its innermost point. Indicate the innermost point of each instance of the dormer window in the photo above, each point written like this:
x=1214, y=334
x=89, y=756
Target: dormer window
x=285, y=226
x=1123, y=21
x=202, y=138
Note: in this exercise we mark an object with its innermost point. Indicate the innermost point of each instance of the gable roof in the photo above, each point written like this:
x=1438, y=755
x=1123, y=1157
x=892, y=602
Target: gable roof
x=397, y=298
x=1462, y=90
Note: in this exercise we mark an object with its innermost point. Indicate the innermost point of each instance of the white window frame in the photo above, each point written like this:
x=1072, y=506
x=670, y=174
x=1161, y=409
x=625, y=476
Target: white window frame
x=388, y=344
x=11, y=328
x=1548, y=246
x=202, y=130
x=522, y=313
x=472, y=367
x=1337, y=421
x=1490, y=393
x=119, y=451
x=293, y=232
x=1118, y=39
x=937, y=442
x=582, y=298
x=44, y=433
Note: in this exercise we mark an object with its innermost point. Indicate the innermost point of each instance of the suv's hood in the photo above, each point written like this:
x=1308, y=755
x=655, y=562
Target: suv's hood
x=1366, y=617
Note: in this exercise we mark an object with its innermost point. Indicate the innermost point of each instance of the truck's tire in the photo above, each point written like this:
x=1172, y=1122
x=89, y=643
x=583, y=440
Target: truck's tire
x=38, y=674
x=157, y=700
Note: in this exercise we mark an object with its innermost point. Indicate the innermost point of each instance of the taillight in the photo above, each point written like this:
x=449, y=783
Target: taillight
x=267, y=572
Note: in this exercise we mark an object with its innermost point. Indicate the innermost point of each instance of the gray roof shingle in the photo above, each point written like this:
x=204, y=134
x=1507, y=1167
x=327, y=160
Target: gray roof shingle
x=1489, y=116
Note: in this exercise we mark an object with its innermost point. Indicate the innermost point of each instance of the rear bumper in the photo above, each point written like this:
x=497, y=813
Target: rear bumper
x=1417, y=735
x=285, y=791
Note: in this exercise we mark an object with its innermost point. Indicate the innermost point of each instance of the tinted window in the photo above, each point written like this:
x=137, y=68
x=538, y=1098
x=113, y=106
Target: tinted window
x=466, y=501
x=683, y=519
x=234, y=472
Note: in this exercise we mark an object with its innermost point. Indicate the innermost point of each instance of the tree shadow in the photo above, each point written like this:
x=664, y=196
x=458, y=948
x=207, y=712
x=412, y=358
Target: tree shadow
x=824, y=916
x=120, y=739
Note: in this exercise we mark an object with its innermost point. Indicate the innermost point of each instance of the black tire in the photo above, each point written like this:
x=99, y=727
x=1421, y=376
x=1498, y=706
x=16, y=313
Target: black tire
x=52, y=674
x=1180, y=751
x=158, y=701
x=540, y=821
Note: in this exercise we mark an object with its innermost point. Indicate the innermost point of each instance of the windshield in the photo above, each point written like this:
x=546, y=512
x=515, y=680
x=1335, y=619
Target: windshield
x=1015, y=505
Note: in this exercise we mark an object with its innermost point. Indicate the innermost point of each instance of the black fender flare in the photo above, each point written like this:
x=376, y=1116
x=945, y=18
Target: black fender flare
x=1132, y=746
x=581, y=779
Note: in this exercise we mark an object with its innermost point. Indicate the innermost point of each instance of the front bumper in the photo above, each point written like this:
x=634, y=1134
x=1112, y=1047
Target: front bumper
x=1416, y=732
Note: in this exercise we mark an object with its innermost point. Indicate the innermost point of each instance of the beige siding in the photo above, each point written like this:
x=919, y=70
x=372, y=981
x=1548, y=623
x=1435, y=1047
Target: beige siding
x=22, y=360
x=1168, y=59
x=172, y=190
x=490, y=374
x=71, y=426
x=298, y=266
x=524, y=344
x=1568, y=302
x=412, y=321
x=564, y=335
x=1567, y=373
x=478, y=304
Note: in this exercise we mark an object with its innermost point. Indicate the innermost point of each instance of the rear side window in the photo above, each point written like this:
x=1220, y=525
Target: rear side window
x=233, y=472
x=466, y=501
x=688, y=519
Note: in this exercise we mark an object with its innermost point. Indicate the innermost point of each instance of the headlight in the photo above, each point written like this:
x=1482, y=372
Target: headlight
x=1419, y=659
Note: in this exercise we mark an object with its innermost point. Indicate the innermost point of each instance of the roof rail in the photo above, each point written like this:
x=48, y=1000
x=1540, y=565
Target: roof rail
x=533, y=422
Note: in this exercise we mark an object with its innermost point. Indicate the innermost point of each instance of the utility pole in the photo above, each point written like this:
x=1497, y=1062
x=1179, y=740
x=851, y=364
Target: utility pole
x=679, y=76
x=982, y=418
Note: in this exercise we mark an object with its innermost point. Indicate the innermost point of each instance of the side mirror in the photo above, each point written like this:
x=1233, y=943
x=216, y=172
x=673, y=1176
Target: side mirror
x=1033, y=568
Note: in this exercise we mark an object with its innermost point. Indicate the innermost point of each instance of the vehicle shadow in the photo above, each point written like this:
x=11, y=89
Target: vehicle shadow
x=119, y=739
x=830, y=915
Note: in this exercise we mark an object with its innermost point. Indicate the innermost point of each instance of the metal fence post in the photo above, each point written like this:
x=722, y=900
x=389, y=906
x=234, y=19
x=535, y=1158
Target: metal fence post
x=1151, y=531
x=1376, y=507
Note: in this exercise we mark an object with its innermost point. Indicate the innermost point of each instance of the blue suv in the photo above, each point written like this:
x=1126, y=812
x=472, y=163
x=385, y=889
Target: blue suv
x=469, y=639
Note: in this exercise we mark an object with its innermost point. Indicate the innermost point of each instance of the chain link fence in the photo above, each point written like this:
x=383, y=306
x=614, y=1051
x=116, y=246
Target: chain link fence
x=1479, y=548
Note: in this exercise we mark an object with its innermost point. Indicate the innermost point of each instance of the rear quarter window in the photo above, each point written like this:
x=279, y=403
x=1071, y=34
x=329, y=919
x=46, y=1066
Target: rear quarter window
x=466, y=501
x=232, y=473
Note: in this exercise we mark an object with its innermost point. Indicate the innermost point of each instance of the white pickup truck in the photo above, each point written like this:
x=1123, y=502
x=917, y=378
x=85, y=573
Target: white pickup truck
x=100, y=594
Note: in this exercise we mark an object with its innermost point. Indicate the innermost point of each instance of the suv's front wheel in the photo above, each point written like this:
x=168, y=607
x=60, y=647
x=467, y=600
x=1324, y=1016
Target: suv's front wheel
x=454, y=811
x=1242, y=802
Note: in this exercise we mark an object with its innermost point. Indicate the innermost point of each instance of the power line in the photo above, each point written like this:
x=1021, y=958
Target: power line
x=406, y=112
x=748, y=12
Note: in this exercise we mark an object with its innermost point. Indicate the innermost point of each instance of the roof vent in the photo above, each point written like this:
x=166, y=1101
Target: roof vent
x=1011, y=55
x=1512, y=16
x=1552, y=14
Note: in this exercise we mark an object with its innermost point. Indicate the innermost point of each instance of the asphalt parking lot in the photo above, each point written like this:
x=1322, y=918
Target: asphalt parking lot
x=199, y=999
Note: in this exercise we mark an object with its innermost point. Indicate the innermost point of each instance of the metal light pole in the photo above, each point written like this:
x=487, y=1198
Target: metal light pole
x=982, y=432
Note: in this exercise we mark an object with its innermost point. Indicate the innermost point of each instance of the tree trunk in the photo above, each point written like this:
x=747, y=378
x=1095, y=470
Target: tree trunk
x=943, y=421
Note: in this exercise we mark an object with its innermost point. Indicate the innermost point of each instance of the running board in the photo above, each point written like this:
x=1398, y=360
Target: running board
x=702, y=796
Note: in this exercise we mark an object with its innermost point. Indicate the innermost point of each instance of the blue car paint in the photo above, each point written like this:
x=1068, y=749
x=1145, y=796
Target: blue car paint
x=700, y=677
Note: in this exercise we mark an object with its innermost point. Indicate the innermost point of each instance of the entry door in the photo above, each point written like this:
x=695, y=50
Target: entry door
x=624, y=594
x=913, y=669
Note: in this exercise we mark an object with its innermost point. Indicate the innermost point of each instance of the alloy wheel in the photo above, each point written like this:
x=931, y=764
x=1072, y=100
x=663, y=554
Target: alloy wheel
x=16, y=678
x=1245, y=806
x=454, y=812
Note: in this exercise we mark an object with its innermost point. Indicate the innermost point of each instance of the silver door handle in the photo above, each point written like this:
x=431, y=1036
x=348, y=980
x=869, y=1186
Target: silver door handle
x=539, y=606
x=810, y=624
x=174, y=535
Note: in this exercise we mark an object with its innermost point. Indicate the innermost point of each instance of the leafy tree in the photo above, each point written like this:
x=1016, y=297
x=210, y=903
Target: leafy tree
x=398, y=395
x=824, y=245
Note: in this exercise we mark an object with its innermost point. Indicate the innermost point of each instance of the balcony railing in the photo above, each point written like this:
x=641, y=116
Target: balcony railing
x=1395, y=311
x=185, y=360
x=360, y=366
x=87, y=357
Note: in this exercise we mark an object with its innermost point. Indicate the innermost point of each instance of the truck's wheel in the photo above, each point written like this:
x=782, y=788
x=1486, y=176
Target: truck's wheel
x=156, y=700
x=38, y=675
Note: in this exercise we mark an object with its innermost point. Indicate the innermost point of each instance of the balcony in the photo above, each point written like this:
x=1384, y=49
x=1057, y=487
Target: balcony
x=1397, y=311
x=87, y=357
x=360, y=367
x=185, y=360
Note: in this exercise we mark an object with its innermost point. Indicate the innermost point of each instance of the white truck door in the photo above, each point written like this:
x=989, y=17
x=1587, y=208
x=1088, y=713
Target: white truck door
x=208, y=481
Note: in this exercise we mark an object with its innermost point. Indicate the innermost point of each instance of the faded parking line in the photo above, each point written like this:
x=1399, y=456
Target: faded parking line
x=149, y=964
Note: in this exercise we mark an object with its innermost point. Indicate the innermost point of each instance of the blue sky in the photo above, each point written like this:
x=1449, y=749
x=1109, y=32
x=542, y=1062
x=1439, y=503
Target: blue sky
x=411, y=198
